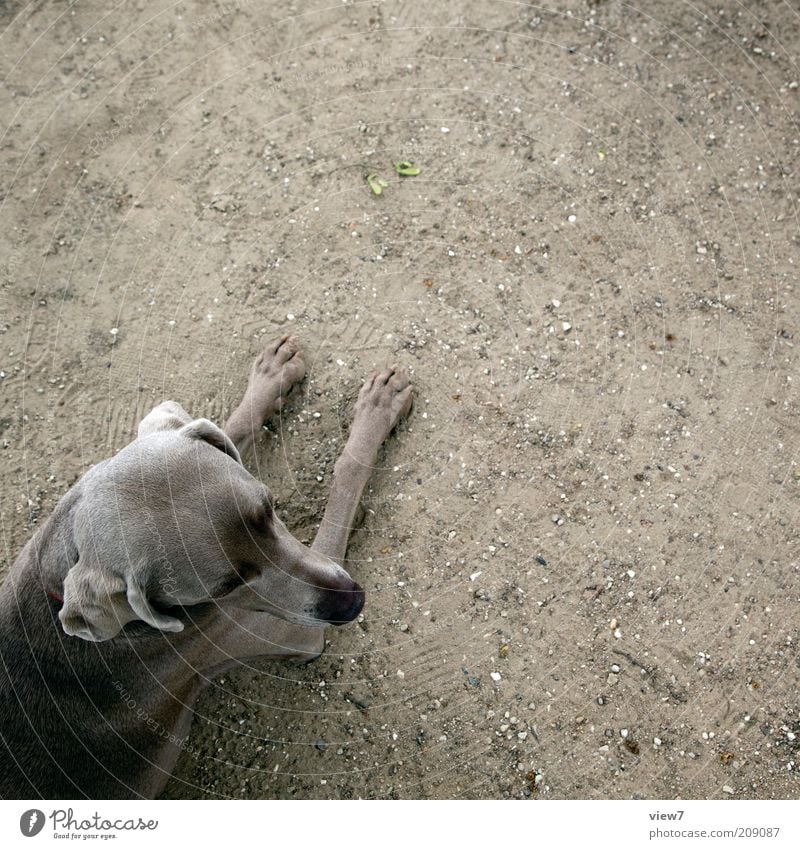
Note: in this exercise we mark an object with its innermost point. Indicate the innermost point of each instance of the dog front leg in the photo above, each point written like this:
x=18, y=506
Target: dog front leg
x=384, y=399
x=275, y=371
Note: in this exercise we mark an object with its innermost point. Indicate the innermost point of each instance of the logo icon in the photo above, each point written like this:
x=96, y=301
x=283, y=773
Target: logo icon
x=31, y=822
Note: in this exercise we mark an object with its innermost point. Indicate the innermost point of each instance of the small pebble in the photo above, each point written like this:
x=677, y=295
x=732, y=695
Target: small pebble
x=615, y=668
x=495, y=676
x=726, y=788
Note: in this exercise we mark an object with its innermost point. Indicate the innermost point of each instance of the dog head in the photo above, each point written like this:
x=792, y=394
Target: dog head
x=174, y=520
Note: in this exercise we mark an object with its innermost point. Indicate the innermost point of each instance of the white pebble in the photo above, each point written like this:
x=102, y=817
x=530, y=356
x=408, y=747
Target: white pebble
x=495, y=676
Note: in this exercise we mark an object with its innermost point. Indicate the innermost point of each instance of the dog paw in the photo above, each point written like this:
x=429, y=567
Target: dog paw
x=275, y=371
x=384, y=399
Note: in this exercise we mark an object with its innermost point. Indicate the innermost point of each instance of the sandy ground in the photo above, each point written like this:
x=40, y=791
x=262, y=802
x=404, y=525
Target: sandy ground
x=581, y=550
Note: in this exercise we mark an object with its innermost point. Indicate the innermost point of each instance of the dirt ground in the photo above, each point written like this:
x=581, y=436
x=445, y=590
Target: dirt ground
x=581, y=550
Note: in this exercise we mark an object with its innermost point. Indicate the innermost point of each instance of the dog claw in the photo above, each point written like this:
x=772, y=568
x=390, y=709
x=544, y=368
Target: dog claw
x=384, y=400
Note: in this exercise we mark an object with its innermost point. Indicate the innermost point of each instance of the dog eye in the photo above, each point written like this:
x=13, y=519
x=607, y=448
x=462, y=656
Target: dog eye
x=243, y=572
x=268, y=506
x=263, y=515
x=246, y=571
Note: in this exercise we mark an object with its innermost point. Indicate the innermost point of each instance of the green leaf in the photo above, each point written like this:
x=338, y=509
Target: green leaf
x=377, y=184
x=406, y=169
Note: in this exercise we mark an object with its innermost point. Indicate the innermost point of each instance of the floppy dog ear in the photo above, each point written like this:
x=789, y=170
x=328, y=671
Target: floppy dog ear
x=166, y=416
x=209, y=432
x=98, y=604
x=106, y=588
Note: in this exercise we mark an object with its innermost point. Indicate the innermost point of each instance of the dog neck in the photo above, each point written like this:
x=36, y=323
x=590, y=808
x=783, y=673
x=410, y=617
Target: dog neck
x=51, y=552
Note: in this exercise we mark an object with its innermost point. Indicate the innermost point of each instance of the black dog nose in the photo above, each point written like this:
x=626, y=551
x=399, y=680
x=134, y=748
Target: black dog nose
x=338, y=607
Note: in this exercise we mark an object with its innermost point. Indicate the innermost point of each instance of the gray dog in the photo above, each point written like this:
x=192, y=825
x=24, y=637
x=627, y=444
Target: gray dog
x=159, y=569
